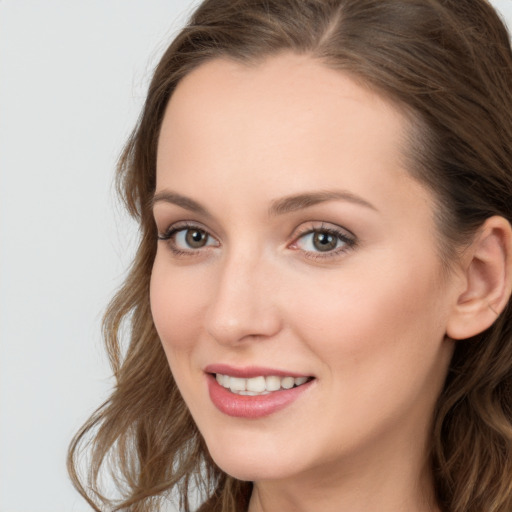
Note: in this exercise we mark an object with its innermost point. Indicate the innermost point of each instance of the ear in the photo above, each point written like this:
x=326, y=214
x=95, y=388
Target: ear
x=487, y=273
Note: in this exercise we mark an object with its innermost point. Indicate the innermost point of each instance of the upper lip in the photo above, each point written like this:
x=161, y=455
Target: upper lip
x=247, y=372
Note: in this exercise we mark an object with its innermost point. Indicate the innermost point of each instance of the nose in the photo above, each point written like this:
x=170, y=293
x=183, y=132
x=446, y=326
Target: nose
x=243, y=307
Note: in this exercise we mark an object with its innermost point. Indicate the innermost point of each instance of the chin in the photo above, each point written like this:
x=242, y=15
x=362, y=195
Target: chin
x=255, y=470
x=251, y=461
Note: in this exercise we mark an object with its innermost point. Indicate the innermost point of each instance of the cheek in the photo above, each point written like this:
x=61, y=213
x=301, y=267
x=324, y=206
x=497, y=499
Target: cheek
x=379, y=340
x=176, y=305
x=393, y=311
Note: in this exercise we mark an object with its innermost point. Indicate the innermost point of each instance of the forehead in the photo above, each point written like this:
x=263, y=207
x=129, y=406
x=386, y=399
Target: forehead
x=286, y=125
x=284, y=100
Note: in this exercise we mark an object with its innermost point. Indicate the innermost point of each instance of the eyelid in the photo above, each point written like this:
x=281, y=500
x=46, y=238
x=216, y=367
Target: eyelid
x=343, y=234
x=313, y=226
x=184, y=224
x=169, y=234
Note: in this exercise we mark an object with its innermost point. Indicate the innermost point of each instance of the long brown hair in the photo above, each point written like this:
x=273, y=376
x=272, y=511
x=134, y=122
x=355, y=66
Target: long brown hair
x=449, y=64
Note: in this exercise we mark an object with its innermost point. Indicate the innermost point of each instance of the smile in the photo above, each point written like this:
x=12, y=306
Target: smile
x=260, y=385
x=253, y=393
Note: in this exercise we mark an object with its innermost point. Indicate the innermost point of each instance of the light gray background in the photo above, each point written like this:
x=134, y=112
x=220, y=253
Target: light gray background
x=72, y=80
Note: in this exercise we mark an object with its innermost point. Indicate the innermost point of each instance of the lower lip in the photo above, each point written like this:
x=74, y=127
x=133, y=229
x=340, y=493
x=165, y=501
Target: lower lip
x=259, y=406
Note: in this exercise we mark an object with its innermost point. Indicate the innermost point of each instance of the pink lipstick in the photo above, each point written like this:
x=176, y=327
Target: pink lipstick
x=254, y=392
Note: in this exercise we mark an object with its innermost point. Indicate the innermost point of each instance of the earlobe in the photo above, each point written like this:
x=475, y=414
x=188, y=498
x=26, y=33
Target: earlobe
x=488, y=280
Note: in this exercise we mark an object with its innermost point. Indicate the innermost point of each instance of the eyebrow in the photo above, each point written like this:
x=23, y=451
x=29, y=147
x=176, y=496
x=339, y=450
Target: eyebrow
x=301, y=201
x=278, y=206
x=182, y=201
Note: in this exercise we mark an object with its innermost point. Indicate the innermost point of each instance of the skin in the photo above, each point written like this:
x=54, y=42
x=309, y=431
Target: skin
x=367, y=320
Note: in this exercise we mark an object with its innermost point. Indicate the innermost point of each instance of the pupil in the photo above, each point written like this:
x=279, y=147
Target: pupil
x=324, y=242
x=196, y=238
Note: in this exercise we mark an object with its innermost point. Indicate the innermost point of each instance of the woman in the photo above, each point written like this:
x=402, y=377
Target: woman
x=319, y=310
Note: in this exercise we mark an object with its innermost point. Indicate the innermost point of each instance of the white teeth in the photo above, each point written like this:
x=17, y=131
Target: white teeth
x=287, y=382
x=272, y=383
x=237, y=384
x=258, y=385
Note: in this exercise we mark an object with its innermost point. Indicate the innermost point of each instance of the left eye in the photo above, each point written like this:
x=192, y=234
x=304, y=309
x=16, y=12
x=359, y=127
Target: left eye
x=192, y=238
x=321, y=241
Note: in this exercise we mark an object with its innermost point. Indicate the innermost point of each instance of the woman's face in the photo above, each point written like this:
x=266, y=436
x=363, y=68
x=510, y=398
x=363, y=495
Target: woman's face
x=296, y=249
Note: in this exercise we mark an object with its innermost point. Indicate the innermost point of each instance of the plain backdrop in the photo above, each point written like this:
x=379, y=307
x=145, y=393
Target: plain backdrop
x=73, y=76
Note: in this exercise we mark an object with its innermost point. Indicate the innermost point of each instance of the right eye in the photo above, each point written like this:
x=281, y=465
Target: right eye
x=186, y=239
x=191, y=238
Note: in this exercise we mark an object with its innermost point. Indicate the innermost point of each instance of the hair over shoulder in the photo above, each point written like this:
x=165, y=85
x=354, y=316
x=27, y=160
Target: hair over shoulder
x=448, y=65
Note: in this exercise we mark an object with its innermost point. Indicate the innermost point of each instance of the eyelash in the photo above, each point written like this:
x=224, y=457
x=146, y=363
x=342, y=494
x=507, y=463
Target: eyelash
x=169, y=237
x=348, y=239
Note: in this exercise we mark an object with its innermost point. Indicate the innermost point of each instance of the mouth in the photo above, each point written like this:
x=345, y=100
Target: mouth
x=255, y=392
x=259, y=385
